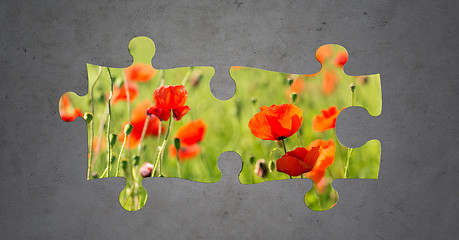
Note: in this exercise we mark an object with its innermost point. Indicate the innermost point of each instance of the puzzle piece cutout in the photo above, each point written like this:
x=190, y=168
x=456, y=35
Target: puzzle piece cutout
x=306, y=129
x=138, y=117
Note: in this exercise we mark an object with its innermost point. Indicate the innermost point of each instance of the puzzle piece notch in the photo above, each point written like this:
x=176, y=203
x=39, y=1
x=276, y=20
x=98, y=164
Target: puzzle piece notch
x=353, y=127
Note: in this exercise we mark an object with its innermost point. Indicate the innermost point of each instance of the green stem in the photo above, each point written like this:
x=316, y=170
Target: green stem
x=179, y=170
x=349, y=150
x=271, y=153
x=128, y=101
x=161, y=150
x=187, y=76
x=283, y=144
x=91, y=151
x=100, y=132
x=119, y=157
x=346, y=169
x=108, y=123
x=104, y=173
x=144, y=130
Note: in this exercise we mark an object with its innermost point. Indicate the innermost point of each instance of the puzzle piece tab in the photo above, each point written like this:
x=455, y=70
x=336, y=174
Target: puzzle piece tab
x=144, y=122
x=286, y=125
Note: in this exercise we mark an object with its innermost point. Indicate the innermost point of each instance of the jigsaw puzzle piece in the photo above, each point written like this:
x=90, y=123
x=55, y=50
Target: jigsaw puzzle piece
x=287, y=125
x=143, y=122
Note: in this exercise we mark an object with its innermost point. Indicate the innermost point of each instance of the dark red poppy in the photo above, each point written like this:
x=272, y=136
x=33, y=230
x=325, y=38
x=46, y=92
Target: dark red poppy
x=120, y=93
x=189, y=134
x=169, y=98
x=276, y=122
x=326, y=120
x=67, y=112
x=139, y=72
x=138, y=119
x=298, y=161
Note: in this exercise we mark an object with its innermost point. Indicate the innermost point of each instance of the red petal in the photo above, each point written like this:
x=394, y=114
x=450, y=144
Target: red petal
x=180, y=112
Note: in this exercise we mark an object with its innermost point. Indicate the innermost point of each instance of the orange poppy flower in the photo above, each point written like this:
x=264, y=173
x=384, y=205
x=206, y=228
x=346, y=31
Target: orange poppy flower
x=323, y=53
x=169, y=98
x=66, y=110
x=140, y=72
x=192, y=132
x=327, y=120
x=297, y=87
x=189, y=134
x=329, y=82
x=325, y=159
x=138, y=119
x=120, y=93
x=341, y=58
x=276, y=122
x=298, y=161
x=185, y=152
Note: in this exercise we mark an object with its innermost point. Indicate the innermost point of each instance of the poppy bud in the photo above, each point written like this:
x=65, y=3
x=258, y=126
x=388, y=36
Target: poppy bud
x=135, y=160
x=272, y=166
x=253, y=100
x=290, y=81
x=261, y=169
x=352, y=86
x=95, y=175
x=112, y=139
x=124, y=164
x=119, y=82
x=294, y=96
x=128, y=129
x=177, y=143
x=87, y=117
x=146, y=170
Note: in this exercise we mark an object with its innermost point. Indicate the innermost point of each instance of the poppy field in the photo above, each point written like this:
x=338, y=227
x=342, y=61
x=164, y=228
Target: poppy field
x=144, y=122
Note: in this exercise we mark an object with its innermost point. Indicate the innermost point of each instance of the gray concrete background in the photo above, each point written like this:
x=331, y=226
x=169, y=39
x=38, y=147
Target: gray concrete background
x=413, y=44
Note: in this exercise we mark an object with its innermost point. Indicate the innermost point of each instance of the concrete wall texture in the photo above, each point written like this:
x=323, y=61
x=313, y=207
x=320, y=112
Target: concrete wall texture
x=414, y=45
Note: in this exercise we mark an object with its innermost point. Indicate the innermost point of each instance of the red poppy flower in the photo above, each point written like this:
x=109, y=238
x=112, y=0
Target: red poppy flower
x=120, y=93
x=276, y=122
x=189, y=134
x=298, y=161
x=169, y=98
x=192, y=132
x=138, y=119
x=140, y=72
x=341, y=58
x=325, y=159
x=327, y=120
x=66, y=110
x=329, y=82
x=323, y=53
x=185, y=152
